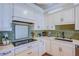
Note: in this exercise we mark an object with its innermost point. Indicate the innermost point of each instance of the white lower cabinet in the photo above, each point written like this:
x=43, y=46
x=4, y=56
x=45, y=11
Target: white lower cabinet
x=54, y=48
x=30, y=49
x=35, y=49
x=60, y=48
x=48, y=45
x=67, y=51
x=41, y=47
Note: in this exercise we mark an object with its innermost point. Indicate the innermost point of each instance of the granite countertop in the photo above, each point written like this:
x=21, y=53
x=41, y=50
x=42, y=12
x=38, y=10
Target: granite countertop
x=6, y=47
x=73, y=40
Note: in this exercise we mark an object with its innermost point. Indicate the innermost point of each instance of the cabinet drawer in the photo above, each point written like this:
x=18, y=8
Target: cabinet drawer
x=25, y=53
x=9, y=52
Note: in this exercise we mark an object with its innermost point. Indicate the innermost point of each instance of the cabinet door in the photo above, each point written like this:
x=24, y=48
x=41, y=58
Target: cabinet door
x=55, y=49
x=25, y=53
x=57, y=18
x=39, y=25
x=67, y=51
x=6, y=17
x=67, y=16
x=49, y=22
x=35, y=51
x=47, y=46
x=41, y=48
x=77, y=18
x=1, y=13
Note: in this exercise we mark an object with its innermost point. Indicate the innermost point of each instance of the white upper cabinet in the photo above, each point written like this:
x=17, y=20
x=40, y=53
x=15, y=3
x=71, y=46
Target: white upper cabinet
x=77, y=18
x=49, y=22
x=39, y=24
x=64, y=17
x=67, y=16
x=57, y=18
x=1, y=17
x=5, y=17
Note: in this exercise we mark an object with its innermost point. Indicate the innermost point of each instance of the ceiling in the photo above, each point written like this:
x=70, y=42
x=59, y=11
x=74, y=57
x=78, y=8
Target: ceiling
x=53, y=6
x=45, y=5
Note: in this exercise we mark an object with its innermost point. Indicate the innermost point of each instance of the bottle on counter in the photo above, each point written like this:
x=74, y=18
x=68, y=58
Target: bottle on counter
x=4, y=40
x=49, y=34
x=32, y=34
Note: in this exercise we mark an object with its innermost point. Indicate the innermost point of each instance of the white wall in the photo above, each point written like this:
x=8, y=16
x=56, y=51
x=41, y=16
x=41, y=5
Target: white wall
x=32, y=12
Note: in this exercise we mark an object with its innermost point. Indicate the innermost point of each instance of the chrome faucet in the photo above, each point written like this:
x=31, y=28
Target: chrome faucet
x=63, y=36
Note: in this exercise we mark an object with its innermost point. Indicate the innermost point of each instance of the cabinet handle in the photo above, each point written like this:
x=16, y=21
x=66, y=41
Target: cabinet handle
x=62, y=19
x=60, y=49
x=48, y=26
x=29, y=53
x=38, y=27
x=51, y=26
x=42, y=42
x=5, y=53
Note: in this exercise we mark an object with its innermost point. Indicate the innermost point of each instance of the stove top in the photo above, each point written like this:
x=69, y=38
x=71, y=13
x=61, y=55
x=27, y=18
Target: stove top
x=17, y=43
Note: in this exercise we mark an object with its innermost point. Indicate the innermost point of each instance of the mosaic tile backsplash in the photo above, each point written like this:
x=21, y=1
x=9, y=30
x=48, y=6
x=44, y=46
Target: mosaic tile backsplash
x=54, y=33
x=58, y=33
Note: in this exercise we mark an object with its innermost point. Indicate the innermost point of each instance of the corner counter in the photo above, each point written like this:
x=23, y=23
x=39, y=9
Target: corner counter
x=7, y=50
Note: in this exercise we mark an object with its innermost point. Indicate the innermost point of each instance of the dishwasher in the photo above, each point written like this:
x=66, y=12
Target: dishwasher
x=76, y=50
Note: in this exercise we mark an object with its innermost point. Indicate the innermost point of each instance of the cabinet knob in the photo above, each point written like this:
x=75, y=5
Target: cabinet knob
x=60, y=49
x=62, y=19
x=38, y=27
x=51, y=26
x=5, y=53
x=29, y=46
